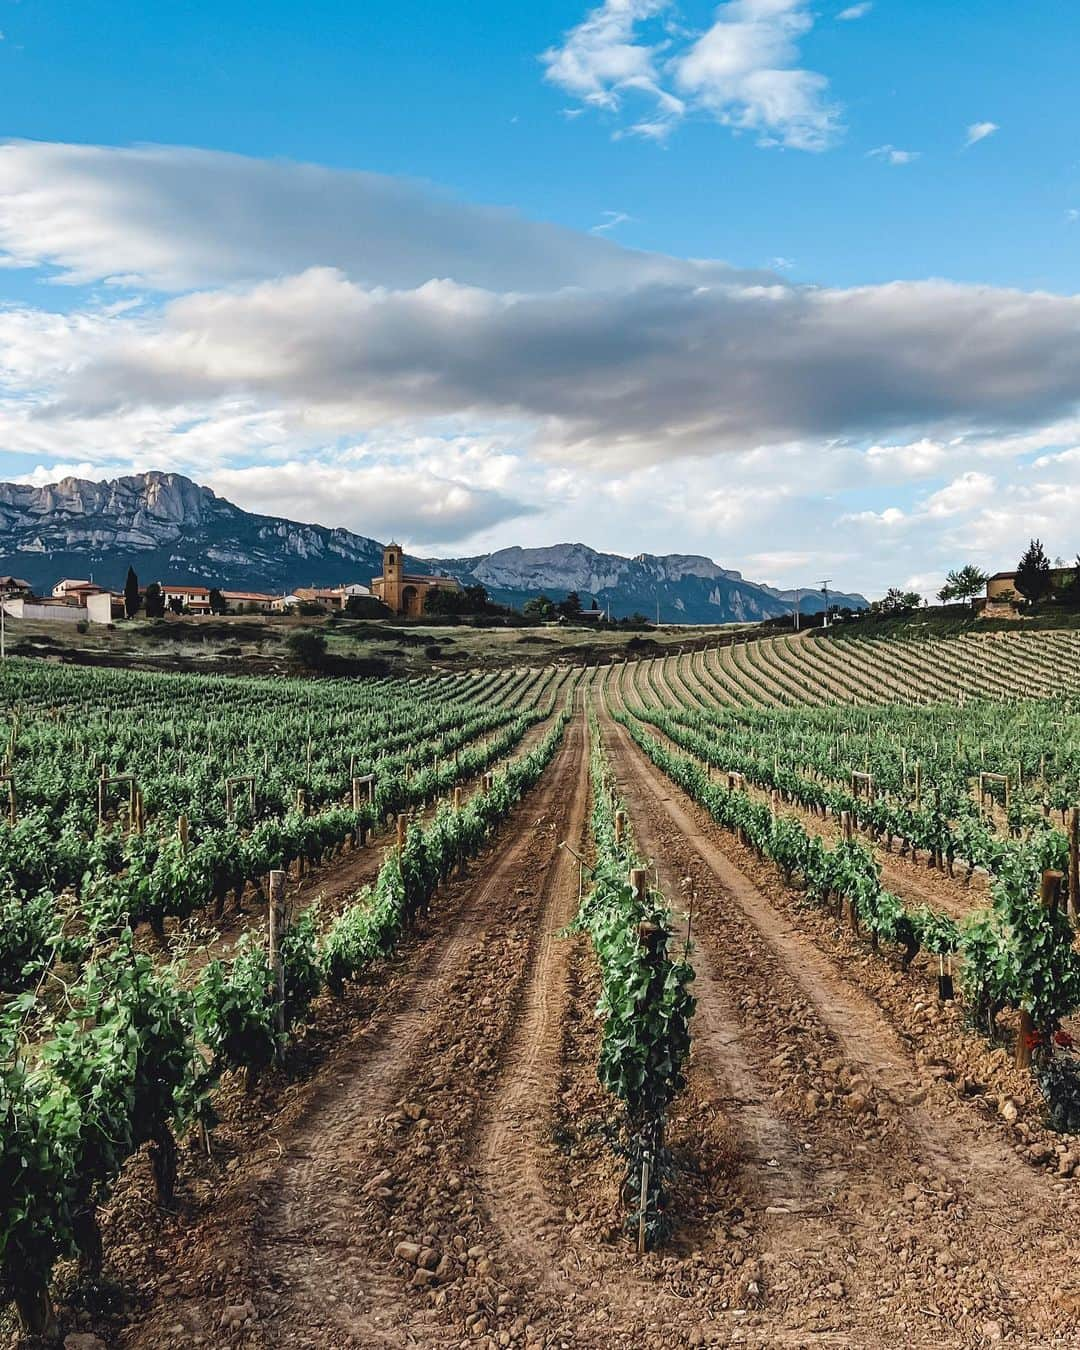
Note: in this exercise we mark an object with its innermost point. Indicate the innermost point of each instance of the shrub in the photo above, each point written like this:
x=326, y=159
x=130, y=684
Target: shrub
x=308, y=647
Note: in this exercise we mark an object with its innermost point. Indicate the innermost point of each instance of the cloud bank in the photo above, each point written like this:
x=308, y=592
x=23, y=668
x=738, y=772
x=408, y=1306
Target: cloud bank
x=348, y=348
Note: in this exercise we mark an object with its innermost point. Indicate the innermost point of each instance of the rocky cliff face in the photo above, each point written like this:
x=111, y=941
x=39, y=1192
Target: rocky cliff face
x=688, y=588
x=169, y=528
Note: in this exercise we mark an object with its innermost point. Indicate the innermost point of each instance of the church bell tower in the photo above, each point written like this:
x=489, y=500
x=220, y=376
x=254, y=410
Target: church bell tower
x=393, y=570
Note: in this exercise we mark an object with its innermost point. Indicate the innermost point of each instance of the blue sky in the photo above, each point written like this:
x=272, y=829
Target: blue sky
x=824, y=153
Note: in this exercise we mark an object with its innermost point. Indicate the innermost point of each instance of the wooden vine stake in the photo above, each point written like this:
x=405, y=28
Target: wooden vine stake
x=402, y=827
x=277, y=965
x=620, y=826
x=13, y=810
x=182, y=829
x=104, y=782
x=643, y=1204
x=230, y=794
x=1049, y=893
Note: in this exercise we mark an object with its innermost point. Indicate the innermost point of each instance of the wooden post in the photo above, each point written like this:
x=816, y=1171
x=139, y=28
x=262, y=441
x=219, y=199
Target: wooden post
x=639, y=880
x=643, y=1201
x=301, y=801
x=1049, y=892
x=918, y=784
x=13, y=813
x=1074, y=863
x=457, y=799
x=846, y=829
x=277, y=932
x=140, y=817
x=182, y=829
x=356, y=794
x=402, y=827
x=620, y=826
x=774, y=803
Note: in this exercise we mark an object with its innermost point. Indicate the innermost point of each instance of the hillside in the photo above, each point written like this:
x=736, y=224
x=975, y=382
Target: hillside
x=169, y=527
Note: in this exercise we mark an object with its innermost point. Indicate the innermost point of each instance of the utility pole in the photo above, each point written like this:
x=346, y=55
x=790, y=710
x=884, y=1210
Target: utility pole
x=825, y=591
x=658, y=611
x=798, y=596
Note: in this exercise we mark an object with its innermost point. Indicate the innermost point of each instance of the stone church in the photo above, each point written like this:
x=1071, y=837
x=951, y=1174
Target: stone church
x=403, y=593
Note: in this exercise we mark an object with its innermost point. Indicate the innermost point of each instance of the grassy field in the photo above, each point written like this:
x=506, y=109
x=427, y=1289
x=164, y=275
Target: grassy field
x=257, y=644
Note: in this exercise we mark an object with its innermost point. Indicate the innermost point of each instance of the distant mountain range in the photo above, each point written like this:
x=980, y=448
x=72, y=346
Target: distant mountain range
x=169, y=528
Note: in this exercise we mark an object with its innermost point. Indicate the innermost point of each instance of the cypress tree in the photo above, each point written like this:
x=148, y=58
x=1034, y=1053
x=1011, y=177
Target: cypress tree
x=1033, y=573
x=131, y=594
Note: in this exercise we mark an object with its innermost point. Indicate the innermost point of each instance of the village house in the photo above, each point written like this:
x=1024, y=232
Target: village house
x=192, y=599
x=1002, y=585
x=330, y=597
x=250, y=601
x=75, y=592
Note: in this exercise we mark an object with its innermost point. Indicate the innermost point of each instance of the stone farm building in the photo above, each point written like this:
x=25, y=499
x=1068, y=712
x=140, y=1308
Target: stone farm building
x=400, y=591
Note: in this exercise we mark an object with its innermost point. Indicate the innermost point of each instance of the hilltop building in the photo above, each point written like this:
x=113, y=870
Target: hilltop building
x=403, y=593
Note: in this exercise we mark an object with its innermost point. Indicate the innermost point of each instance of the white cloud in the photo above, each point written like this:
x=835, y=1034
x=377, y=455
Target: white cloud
x=638, y=375
x=855, y=11
x=420, y=509
x=890, y=517
x=978, y=131
x=891, y=155
x=173, y=219
x=612, y=219
x=963, y=494
x=743, y=70
x=602, y=63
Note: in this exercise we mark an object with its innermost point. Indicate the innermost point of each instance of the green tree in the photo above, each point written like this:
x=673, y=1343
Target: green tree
x=539, y=607
x=131, y=594
x=1033, y=573
x=947, y=592
x=968, y=582
x=896, y=601
x=1070, y=590
x=570, y=608
x=154, y=602
x=217, y=601
x=308, y=646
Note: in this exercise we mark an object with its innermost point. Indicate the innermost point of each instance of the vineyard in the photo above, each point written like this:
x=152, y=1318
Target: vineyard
x=726, y=997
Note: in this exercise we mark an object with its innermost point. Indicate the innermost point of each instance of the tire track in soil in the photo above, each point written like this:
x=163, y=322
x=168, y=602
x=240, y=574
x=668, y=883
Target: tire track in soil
x=314, y=1206
x=339, y=1291
x=300, y=1233
x=773, y=1163
x=920, y=1148
x=509, y=1145
x=565, y=1240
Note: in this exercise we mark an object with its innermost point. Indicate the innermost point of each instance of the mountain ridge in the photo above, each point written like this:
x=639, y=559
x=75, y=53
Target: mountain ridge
x=171, y=528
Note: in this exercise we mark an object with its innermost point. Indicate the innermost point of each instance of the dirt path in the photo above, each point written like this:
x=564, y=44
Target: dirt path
x=372, y=1153
x=905, y=1211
